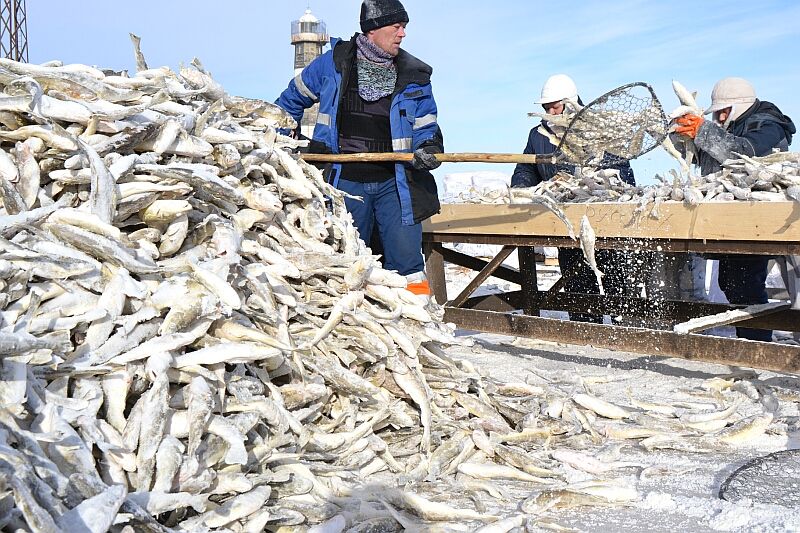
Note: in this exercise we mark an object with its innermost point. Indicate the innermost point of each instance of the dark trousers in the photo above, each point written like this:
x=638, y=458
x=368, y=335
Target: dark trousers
x=621, y=275
x=743, y=279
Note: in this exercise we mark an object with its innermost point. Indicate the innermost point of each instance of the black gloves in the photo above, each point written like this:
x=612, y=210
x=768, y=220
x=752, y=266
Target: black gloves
x=424, y=160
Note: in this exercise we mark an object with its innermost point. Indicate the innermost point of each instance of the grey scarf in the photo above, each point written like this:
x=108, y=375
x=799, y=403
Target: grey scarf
x=377, y=74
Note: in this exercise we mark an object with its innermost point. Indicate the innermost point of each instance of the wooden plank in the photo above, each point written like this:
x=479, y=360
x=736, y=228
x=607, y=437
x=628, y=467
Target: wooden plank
x=482, y=276
x=667, y=312
x=554, y=289
x=504, y=302
x=643, y=244
x=721, y=350
x=729, y=317
x=457, y=258
x=740, y=221
x=401, y=157
x=530, y=281
x=434, y=270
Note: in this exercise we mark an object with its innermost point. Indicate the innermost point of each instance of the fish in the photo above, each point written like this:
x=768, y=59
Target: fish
x=414, y=385
x=238, y=507
x=104, y=193
x=746, y=430
x=587, y=463
x=560, y=499
x=662, y=409
x=495, y=471
x=694, y=418
x=350, y=301
x=548, y=203
x=424, y=508
x=503, y=525
x=519, y=459
x=587, y=240
x=95, y=514
x=601, y=407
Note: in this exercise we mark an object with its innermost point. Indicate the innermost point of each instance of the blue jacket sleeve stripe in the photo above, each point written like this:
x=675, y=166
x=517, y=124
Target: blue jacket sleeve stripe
x=427, y=114
x=402, y=145
x=303, y=89
x=427, y=120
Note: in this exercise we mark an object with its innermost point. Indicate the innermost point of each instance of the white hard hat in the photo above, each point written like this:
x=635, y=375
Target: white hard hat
x=732, y=92
x=557, y=88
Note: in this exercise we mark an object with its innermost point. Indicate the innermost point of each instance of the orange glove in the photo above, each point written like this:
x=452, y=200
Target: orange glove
x=689, y=124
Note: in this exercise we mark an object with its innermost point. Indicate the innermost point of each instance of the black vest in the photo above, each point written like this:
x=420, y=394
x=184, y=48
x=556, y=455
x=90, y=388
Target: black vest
x=364, y=127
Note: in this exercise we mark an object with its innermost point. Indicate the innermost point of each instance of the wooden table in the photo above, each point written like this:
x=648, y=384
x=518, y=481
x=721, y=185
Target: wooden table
x=762, y=228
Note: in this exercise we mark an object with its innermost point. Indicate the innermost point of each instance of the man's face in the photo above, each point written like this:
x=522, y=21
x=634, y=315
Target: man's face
x=722, y=115
x=389, y=38
x=554, y=108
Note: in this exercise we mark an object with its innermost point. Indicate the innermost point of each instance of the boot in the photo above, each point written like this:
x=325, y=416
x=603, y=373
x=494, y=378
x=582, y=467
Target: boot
x=418, y=284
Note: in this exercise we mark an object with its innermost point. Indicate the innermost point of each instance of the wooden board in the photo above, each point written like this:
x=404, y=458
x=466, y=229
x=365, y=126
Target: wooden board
x=739, y=221
x=721, y=350
x=733, y=316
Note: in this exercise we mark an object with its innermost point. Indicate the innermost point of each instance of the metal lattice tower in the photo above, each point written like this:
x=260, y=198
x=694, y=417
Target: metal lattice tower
x=13, y=30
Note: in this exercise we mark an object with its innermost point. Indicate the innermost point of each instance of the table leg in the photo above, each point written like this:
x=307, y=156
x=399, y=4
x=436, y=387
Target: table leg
x=434, y=269
x=530, y=282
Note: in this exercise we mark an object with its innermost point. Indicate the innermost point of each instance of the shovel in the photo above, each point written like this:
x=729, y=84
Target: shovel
x=394, y=157
x=624, y=123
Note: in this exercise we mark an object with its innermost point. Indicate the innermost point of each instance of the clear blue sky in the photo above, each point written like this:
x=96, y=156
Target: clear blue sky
x=489, y=58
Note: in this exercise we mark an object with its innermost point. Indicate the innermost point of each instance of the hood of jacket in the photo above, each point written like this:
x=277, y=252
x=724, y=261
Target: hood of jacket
x=763, y=110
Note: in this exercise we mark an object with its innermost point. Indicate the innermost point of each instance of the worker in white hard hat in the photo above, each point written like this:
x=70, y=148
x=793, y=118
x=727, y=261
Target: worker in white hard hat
x=558, y=91
x=740, y=124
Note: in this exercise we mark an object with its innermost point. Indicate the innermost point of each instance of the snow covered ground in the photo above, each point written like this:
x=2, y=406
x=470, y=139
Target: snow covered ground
x=682, y=494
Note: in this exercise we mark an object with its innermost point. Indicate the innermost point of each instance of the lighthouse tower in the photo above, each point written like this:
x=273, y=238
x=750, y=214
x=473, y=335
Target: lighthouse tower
x=309, y=37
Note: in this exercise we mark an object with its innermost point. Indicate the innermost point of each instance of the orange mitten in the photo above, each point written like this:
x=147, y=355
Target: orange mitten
x=689, y=125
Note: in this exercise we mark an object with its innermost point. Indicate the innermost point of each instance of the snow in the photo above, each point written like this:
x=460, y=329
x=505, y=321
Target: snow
x=457, y=183
x=681, y=493
x=720, y=515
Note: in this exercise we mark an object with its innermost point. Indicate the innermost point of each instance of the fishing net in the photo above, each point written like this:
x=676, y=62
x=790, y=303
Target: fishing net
x=772, y=479
x=622, y=124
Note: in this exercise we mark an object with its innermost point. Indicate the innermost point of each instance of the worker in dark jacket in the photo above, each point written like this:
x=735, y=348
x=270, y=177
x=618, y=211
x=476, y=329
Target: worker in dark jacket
x=741, y=124
x=376, y=97
x=555, y=92
x=556, y=89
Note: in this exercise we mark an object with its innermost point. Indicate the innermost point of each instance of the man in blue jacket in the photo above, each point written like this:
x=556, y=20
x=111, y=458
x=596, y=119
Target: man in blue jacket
x=741, y=124
x=376, y=97
x=619, y=277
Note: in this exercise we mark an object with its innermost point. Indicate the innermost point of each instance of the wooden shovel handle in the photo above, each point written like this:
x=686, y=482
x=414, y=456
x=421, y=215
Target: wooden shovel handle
x=444, y=158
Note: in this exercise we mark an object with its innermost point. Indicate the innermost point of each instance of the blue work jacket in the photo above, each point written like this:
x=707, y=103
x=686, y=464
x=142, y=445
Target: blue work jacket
x=413, y=119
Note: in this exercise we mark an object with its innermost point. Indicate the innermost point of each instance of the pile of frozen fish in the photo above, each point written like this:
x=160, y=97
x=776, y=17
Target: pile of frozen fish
x=183, y=318
x=194, y=338
x=581, y=184
x=775, y=177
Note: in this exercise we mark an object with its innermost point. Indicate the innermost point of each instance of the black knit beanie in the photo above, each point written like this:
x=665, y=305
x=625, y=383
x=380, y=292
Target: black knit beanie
x=379, y=13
